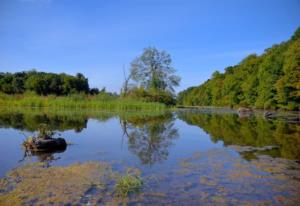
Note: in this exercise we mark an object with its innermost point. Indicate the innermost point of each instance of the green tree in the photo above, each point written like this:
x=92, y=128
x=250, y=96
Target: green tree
x=288, y=86
x=43, y=83
x=153, y=70
x=269, y=81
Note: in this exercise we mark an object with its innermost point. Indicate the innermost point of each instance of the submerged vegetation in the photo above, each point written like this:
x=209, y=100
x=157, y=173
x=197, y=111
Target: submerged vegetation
x=267, y=81
x=35, y=184
x=211, y=177
x=129, y=183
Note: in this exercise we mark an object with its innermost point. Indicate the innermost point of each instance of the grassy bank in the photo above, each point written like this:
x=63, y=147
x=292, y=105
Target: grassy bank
x=78, y=102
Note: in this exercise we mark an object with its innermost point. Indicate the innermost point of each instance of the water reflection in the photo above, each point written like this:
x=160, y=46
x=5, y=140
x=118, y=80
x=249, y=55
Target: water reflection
x=253, y=131
x=150, y=137
x=194, y=170
x=30, y=120
x=44, y=157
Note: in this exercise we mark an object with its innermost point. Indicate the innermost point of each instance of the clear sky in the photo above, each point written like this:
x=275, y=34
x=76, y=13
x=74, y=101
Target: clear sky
x=98, y=37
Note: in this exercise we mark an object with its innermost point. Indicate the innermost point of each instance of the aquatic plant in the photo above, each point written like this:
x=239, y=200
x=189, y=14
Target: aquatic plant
x=128, y=184
x=38, y=185
x=85, y=102
x=43, y=132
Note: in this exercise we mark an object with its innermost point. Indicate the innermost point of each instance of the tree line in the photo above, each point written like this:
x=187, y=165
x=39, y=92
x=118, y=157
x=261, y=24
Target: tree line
x=151, y=78
x=267, y=81
x=43, y=83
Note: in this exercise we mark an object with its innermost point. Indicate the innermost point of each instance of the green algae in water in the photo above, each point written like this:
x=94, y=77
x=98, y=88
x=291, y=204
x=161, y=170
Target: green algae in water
x=34, y=184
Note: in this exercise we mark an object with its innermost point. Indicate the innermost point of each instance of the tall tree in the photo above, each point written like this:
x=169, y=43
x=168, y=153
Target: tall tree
x=153, y=70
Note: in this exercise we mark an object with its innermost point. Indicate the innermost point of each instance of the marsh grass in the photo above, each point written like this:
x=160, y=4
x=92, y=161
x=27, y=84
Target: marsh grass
x=128, y=184
x=78, y=102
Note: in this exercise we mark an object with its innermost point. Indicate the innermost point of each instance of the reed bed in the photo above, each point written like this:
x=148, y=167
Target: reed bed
x=78, y=102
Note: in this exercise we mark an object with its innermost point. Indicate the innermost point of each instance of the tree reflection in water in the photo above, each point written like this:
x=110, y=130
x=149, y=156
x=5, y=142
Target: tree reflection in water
x=45, y=157
x=31, y=122
x=61, y=120
x=254, y=132
x=150, y=137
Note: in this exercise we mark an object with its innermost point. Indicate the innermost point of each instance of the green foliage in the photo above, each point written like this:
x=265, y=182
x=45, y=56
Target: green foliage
x=43, y=83
x=153, y=70
x=268, y=81
x=151, y=95
x=44, y=132
x=128, y=184
x=102, y=101
x=28, y=86
x=154, y=78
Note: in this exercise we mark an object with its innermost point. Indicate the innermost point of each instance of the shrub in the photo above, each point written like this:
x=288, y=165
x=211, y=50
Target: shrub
x=139, y=93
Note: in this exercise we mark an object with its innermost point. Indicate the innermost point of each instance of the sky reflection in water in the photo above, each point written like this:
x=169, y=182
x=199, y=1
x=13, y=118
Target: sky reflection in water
x=192, y=154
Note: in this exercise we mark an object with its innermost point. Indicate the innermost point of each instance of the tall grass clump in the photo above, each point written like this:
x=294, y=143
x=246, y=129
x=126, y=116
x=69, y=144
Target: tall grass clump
x=78, y=101
x=127, y=185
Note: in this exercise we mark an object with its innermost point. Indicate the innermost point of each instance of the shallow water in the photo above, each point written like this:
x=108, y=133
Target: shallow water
x=184, y=157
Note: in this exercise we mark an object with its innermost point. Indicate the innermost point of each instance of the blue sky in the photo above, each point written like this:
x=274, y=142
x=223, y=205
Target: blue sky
x=97, y=37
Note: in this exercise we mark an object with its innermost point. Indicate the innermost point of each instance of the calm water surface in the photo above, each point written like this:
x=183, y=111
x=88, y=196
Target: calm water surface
x=185, y=158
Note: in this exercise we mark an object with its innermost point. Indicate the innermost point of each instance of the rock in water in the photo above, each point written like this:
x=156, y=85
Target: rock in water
x=47, y=144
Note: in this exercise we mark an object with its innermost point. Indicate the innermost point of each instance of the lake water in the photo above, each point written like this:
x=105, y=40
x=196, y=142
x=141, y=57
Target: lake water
x=185, y=157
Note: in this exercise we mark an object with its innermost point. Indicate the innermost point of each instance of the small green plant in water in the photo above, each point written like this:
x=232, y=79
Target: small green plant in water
x=43, y=132
x=128, y=184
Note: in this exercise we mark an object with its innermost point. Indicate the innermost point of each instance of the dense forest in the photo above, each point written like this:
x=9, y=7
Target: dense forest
x=267, y=81
x=44, y=83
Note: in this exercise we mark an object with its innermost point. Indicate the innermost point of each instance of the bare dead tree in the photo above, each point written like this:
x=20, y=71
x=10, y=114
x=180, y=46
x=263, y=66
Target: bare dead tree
x=127, y=78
